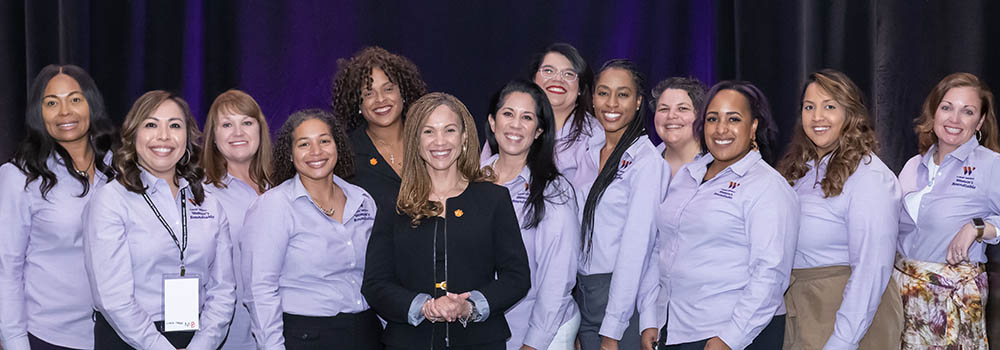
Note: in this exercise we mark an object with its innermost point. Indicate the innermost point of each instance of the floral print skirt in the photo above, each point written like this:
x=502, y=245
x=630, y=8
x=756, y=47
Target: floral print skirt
x=944, y=306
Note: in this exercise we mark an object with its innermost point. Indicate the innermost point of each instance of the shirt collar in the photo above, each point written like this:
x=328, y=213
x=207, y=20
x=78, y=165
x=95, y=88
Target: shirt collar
x=524, y=176
x=961, y=153
x=152, y=183
x=699, y=166
x=355, y=196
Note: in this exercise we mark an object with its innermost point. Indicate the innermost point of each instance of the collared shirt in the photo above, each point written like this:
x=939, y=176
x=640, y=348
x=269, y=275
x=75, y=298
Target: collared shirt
x=235, y=199
x=553, y=247
x=623, y=224
x=725, y=250
x=41, y=274
x=127, y=251
x=298, y=260
x=567, y=150
x=965, y=187
x=857, y=228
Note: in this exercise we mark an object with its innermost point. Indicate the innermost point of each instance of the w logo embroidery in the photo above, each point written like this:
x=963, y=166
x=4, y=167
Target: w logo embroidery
x=733, y=185
x=625, y=164
x=967, y=170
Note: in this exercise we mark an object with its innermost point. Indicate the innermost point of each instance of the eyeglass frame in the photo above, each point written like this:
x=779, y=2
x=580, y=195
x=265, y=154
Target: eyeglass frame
x=562, y=73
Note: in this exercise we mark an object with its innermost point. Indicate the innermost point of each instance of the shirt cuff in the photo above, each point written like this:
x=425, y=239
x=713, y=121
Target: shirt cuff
x=17, y=343
x=414, y=316
x=995, y=221
x=835, y=343
x=648, y=319
x=482, y=305
x=735, y=337
x=539, y=339
x=613, y=328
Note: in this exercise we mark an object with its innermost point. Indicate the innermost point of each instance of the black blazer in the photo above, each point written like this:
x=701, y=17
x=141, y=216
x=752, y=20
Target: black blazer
x=485, y=253
x=372, y=172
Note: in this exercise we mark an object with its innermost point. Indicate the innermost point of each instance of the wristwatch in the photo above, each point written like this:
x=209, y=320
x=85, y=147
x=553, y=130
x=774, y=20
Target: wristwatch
x=980, y=228
x=473, y=314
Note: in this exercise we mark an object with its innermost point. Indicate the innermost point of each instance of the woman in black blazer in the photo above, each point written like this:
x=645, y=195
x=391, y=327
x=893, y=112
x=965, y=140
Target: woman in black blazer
x=444, y=266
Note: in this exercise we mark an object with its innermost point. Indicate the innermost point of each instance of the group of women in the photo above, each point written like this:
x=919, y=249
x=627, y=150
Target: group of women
x=569, y=228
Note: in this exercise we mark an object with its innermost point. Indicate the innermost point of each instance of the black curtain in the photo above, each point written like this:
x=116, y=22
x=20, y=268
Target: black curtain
x=284, y=53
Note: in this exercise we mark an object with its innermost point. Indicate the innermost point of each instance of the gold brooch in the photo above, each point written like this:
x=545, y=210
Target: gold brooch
x=459, y=213
x=372, y=161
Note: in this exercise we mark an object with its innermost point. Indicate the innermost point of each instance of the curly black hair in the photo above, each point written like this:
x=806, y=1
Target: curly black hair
x=283, y=167
x=354, y=75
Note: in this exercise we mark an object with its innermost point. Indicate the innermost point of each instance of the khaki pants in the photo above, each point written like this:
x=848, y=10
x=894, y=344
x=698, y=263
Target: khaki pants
x=813, y=298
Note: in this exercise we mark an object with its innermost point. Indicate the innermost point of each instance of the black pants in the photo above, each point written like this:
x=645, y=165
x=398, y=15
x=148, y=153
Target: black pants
x=771, y=338
x=105, y=337
x=37, y=344
x=360, y=331
x=591, y=294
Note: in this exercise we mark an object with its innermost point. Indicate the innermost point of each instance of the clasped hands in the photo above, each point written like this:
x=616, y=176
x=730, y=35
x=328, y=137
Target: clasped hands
x=447, y=308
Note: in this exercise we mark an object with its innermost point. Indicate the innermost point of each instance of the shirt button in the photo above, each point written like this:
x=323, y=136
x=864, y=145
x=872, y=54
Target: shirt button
x=352, y=264
x=359, y=302
x=349, y=243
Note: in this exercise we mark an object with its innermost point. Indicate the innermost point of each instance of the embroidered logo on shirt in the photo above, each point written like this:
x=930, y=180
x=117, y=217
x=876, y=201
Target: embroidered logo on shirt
x=459, y=213
x=363, y=214
x=200, y=213
x=522, y=196
x=729, y=191
x=373, y=161
x=621, y=168
x=967, y=179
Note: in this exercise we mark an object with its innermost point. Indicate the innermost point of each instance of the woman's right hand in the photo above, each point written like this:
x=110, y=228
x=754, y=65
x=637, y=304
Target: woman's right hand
x=648, y=338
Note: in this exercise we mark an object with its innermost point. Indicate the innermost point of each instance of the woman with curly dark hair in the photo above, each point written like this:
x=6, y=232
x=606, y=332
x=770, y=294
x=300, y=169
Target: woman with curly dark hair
x=44, y=301
x=847, y=230
x=371, y=94
x=153, y=239
x=304, y=243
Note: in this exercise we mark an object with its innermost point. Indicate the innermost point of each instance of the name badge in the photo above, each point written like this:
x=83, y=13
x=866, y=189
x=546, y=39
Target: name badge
x=181, y=302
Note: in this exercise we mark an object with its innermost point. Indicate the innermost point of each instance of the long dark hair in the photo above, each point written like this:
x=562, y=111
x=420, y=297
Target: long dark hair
x=767, y=131
x=33, y=152
x=585, y=79
x=127, y=159
x=540, y=160
x=635, y=129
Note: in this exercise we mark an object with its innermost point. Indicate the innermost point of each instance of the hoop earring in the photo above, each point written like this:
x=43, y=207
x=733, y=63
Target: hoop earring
x=979, y=136
x=185, y=158
x=753, y=144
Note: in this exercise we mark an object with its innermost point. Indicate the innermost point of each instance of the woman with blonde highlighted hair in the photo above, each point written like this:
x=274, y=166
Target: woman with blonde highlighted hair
x=951, y=210
x=444, y=267
x=237, y=163
x=849, y=203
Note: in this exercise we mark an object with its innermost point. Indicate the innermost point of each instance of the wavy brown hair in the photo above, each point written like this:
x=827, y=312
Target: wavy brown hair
x=355, y=74
x=857, y=137
x=212, y=160
x=284, y=168
x=925, y=122
x=416, y=187
x=126, y=161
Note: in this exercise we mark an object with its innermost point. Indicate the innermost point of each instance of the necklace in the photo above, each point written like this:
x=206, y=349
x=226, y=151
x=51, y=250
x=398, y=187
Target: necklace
x=84, y=172
x=325, y=211
x=385, y=147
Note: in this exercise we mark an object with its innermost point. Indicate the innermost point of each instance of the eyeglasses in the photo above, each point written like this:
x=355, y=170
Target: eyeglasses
x=548, y=72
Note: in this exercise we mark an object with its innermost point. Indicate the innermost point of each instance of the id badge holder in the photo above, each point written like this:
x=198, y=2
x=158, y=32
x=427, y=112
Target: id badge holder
x=181, y=302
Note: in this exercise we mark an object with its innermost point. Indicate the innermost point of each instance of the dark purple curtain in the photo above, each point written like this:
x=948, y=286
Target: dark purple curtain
x=284, y=53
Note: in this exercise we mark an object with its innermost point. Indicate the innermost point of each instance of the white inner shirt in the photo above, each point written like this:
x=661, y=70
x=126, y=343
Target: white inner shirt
x=912, y=200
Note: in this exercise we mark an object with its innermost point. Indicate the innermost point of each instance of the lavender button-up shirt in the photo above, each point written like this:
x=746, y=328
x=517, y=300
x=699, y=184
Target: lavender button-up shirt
x=127, y=251
x=41, y=274
x=299, y=261
x=553, y=248
x=857, y=228
x=235, y=199
x=624, y=225
x=567, y=151
x=965, y=187
x=724, y=251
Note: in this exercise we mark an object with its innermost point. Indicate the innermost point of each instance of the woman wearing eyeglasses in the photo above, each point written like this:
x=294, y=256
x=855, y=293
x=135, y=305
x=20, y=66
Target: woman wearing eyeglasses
x=567, y=80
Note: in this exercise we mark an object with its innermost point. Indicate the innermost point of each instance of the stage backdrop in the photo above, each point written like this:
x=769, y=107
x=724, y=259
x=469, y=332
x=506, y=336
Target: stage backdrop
x=284, y=53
